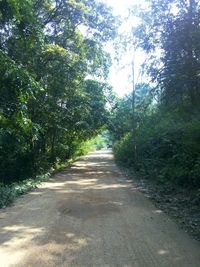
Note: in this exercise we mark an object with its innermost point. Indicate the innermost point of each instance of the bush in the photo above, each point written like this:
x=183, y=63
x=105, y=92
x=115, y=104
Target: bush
x=124, y=150
x=167, y=150
x=8, y=193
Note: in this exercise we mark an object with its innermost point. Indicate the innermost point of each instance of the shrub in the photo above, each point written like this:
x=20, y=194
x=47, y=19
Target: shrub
x=124, y=150
x=167, y=151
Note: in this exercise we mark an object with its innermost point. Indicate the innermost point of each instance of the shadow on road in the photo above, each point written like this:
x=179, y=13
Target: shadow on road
x=91, y=215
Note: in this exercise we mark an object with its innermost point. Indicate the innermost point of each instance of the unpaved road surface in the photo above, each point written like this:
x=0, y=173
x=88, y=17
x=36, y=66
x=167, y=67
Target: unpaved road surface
x=91, y=215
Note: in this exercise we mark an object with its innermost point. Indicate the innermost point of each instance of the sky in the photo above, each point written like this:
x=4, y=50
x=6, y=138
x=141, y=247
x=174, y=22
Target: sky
x=121, y=73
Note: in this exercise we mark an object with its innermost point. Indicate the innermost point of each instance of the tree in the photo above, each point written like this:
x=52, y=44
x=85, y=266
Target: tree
x=168, y=119
x=171, y=29
x=48, y=107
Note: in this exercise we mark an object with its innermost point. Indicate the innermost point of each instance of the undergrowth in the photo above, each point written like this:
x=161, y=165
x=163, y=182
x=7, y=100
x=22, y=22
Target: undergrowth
x=9, y=193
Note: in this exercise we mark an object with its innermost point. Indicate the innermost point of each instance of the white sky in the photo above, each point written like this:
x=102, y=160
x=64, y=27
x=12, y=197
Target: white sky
x=121, y=74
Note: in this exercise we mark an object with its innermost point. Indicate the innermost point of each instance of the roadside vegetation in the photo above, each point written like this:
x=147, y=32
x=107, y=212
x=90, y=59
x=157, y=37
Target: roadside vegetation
x=160, y=134
x=53, y=87
x=9, y=192
x=156, y=130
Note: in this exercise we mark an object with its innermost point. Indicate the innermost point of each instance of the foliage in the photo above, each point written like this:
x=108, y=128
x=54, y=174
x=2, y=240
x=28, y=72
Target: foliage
x=169, y=32
x=120, y=117
x=123, y=150
x=8, y=193
x=100, y=141
x=48, y=104
x=164, y=142
x=166, y=145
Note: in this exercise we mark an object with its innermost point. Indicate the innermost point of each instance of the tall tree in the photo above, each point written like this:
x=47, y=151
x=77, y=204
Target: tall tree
x=48, y=48
x=171, y=30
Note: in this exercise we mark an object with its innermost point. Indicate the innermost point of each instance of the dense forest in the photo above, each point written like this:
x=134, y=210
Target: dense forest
x=157, y=128
x=52, y=81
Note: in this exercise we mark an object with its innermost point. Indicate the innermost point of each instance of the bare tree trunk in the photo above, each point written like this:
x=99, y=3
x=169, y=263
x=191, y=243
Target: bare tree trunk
x=133, y=108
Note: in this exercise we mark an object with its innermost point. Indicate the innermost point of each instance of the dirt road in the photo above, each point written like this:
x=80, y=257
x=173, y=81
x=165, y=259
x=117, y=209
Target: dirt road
x=91, y=215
